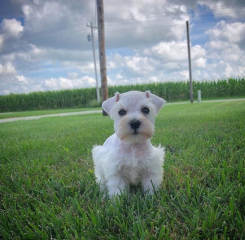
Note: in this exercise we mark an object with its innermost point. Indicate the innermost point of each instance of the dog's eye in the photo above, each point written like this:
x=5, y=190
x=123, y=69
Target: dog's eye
x=145, y=110
x=122, y=112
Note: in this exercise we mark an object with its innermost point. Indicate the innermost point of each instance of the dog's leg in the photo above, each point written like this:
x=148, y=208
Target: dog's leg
x=102, y=184
x=100, y=177
x=115, y=185
x=152, y=181
x=153, y=177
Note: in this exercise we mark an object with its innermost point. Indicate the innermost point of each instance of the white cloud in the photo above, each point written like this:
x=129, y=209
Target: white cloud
x=217, y=45
x=231, y=32
x=65, y=83
x=170, y=51
x=23, y=84
x=241, y=71
x=11, y=28
x=139, y=65
x=225, y=8
x=87, y=67
x=172, y=65
x=57, y=24
x=111, y=65
x=154, y=79
x=184, y=74
x=22, y=79
x=175, y=52
x=116, y=82
x=7, y=69
x=72, y=75
x=201, y=62
x=228, y=70
x=227, y=43
x=119, y=76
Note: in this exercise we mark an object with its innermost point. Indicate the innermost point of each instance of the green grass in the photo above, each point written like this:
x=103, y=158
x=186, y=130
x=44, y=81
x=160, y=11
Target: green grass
x=42, y=112
x=48, y=189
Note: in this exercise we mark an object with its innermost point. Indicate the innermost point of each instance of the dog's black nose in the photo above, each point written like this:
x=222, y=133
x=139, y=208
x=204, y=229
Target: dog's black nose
x=135, y=124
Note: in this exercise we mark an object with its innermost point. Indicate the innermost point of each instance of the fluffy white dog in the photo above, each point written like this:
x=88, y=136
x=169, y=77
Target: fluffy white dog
x=128, y=157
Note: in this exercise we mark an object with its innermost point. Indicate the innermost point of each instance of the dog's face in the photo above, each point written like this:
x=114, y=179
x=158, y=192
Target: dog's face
x=133, y=114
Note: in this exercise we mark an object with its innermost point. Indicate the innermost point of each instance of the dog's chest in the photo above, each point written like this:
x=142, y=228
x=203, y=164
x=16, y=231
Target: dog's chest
x=133, y=156
x=133, y=163
x=133, y=174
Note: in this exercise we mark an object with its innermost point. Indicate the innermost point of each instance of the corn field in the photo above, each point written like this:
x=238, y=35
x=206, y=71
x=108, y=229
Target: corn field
x=170, y=91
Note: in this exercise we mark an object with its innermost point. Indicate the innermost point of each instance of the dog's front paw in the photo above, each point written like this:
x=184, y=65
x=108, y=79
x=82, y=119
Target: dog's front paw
x=115, y=191
x=151, y=184
x=149, y=190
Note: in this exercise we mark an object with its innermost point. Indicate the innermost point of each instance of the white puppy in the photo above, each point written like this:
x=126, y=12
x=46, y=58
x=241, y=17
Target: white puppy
x=128, y=157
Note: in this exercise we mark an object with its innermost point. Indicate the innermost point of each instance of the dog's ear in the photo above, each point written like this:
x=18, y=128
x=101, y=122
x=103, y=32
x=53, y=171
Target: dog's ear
x=108, y=104
x=157, y=101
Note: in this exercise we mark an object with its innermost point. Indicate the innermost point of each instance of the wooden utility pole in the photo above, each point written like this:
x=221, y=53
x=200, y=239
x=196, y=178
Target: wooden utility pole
x=101, y=32
x=189, y=57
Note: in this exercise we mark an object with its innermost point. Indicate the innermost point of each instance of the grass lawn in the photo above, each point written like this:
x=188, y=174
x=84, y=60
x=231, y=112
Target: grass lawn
x=48, y=189
x=42, y=112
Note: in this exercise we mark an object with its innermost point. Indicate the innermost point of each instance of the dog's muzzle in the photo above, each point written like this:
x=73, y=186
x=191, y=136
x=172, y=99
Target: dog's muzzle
x=135, y=124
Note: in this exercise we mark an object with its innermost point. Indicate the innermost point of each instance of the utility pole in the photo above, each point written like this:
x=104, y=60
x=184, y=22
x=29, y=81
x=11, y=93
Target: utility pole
x=101, y=32
x=90, y=24
x=189, y=57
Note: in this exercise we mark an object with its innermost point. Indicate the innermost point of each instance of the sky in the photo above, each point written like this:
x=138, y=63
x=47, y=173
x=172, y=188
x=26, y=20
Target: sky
x=44, y=46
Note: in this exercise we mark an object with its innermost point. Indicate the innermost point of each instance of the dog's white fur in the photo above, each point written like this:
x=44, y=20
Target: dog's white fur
x=128, y=157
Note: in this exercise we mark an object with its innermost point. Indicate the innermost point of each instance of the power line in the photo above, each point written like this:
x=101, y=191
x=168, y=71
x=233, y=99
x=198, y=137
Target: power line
x=173, y=14
x=167, y=24
x=169, y=19
x=156, y=14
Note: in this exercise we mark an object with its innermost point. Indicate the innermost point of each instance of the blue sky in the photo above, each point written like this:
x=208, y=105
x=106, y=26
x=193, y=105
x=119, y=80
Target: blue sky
x=43, y=43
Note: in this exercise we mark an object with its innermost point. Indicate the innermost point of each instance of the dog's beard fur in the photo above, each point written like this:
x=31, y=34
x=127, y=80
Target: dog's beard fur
x=126, y=133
